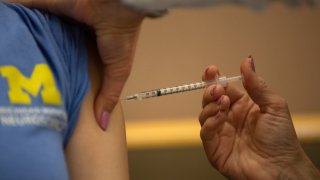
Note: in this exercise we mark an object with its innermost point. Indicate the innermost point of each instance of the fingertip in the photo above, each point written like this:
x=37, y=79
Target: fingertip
x=104, y=120
x=247, y=65
x=210, y=73
x=104, y=104
x=224, y=103
x=102, y=114
x=248, y=71
x=253, y=66
x=212, y=93
x=256, y=86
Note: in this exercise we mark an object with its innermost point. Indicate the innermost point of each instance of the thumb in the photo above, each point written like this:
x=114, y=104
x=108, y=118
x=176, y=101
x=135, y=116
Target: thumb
x=108, y=97
x=259, y=91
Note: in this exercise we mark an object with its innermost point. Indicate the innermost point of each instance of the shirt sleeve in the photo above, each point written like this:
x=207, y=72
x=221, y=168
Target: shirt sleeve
x=70, y=41
x=43, y=80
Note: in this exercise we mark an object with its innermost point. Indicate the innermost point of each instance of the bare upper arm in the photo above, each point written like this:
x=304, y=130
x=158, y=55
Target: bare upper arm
x=92, y=153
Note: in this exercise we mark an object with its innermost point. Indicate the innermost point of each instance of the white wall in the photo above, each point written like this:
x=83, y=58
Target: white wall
x=285, y=43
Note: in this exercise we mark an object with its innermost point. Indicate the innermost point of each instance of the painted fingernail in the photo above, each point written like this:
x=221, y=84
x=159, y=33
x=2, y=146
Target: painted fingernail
x=104, y=121
x=253, y=67
x=212, y=91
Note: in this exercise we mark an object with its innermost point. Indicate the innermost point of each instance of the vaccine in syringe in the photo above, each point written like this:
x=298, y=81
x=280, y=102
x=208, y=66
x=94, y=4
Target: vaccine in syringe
x=223, y=80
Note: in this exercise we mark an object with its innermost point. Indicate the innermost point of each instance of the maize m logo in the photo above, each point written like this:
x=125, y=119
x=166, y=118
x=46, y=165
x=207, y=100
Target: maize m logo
x=40, y=83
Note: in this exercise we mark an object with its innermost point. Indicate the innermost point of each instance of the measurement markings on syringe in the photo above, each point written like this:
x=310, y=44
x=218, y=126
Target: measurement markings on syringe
x=182, y=88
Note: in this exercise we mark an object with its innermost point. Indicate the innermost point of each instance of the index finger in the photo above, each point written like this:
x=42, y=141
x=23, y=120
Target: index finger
x=210, y=73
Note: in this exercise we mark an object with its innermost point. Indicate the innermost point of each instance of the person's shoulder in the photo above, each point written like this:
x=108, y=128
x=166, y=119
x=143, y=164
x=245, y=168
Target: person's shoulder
x=10, y=6
x=16, y=18
x=45, y=23
x=14, y=11
x=39, y=38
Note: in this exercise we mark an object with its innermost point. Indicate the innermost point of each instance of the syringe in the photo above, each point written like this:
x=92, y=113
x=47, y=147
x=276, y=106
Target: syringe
x=223, y=80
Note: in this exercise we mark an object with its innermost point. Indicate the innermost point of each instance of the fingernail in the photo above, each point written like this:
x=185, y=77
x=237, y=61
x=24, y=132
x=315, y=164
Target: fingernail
x=212, y=91
x=104, y=121
x=252, y=64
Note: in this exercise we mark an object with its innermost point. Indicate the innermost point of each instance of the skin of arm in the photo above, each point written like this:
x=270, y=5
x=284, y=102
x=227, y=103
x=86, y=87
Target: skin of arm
x=91, y=153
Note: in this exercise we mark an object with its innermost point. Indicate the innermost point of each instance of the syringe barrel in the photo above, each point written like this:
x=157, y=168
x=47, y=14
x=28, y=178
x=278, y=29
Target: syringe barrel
x=223, y=81
x=171, y=90
x=183, y=88
x=149, y=94
x=177, y=89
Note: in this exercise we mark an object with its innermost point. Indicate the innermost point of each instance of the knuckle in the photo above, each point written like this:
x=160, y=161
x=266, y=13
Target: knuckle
x=281, y=103
x=262, y=84
x=201, y=118
x=111, y=101
x=114, y=99
x=205, y=98
x=203, y=134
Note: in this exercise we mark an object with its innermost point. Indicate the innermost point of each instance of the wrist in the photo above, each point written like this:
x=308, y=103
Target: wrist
x=302, y=168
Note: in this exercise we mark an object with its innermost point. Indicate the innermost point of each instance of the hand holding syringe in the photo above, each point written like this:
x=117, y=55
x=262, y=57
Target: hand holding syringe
x=223, y=80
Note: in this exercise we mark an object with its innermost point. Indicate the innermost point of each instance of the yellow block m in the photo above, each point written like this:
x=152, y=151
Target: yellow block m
x=21, y=87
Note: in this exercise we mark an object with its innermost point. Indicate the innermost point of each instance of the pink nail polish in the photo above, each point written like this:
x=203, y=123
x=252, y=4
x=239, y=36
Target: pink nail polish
x=104, y=121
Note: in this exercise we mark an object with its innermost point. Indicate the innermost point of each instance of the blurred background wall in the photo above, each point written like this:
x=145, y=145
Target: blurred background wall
x=176, y=49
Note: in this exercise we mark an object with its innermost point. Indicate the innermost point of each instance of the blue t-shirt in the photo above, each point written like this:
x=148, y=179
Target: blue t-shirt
x=43, y=80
